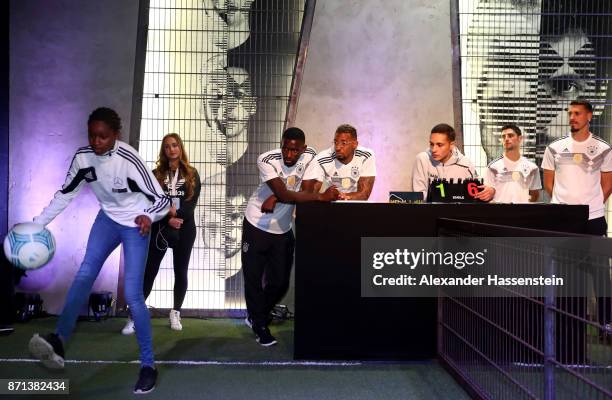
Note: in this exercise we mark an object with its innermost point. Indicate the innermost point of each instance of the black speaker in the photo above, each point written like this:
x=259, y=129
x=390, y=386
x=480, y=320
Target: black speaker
x=100, y=305
x=28, y=306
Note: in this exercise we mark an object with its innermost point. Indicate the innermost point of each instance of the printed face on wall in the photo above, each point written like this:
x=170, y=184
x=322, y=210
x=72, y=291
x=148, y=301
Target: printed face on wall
x=228, y=106
x=529, y=66
x=568, y=69
x=234, y=214
x=502, y=56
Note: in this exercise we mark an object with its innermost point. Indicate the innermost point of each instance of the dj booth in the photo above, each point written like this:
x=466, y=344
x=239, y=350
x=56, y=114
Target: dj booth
x=333, y=321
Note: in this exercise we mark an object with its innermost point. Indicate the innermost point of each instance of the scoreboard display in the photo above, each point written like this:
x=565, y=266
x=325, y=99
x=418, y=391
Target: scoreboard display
x=454, y=191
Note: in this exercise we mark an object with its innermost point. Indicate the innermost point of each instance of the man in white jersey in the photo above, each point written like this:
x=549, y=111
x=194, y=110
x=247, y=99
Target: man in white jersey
x=348, y=166
x=267, y=239
x=514, y=178
x=578, y=170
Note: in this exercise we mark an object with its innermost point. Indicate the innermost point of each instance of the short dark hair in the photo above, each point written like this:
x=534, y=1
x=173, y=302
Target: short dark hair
x=107, y=115
x=294, y=133
x=582, y=103
x=514, y=127
x=445, y=129
x=346, y=128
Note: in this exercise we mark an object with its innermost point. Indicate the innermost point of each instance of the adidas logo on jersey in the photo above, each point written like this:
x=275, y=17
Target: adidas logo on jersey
x=565, y=150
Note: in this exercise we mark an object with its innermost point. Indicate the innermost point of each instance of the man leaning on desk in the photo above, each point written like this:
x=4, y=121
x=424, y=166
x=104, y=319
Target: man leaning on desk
x=347, y=166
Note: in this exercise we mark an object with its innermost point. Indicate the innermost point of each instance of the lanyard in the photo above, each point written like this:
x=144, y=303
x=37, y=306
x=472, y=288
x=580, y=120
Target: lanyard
x=172, y=182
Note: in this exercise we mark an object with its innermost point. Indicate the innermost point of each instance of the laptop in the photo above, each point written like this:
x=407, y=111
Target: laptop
x=406, y=197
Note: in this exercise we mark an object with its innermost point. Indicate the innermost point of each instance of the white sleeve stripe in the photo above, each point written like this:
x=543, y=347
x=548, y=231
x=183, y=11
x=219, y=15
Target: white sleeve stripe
x=159, y=207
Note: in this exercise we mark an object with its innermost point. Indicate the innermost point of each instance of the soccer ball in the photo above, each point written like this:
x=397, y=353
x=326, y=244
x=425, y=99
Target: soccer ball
x=29, y=246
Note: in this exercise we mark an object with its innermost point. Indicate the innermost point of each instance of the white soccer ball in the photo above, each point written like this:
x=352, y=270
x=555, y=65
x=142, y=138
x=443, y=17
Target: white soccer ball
x=29, y=245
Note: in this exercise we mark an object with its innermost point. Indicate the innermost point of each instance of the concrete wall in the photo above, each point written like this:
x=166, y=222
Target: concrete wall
x=383, y=66
x=66, y=58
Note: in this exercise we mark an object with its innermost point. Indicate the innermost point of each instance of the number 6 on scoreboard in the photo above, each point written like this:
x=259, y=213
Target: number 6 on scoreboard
x=472, y=189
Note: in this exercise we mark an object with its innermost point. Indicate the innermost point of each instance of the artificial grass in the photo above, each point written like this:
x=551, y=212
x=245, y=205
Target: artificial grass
x=223, y=340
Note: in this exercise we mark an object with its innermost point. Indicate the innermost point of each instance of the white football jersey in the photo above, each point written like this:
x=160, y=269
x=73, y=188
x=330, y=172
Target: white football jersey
x=512, y=180
x=578, y=167
x=271, y=166
x=327, y=168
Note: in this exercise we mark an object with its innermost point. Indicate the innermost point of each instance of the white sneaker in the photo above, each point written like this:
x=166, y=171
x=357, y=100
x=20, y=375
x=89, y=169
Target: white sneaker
x=129, y=328
x=49, y=349
x=175, y=320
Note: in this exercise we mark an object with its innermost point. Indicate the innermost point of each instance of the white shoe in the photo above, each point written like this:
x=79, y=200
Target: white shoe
x=48, y=349
x=129, y=328
x=175, y=320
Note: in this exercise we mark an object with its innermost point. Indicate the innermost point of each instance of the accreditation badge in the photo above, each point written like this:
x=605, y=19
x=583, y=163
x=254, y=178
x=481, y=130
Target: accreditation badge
x=516, y=176
x=346, y=183
x=176, y=202
x=577, y=158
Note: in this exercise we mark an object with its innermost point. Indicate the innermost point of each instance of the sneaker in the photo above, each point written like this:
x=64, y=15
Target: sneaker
x=48, y=349
x=249, y=322
x=175, y=320
x=264, y=337
x=129, y=328
x=146, y=380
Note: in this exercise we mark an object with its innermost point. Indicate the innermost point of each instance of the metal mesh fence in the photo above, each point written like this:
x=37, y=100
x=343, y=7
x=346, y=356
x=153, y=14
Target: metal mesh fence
x=219, y=74
x=523, y=62
x=531, y=347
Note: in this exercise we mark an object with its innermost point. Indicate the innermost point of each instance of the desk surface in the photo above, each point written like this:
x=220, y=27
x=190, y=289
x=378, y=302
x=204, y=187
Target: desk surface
x=333, y=321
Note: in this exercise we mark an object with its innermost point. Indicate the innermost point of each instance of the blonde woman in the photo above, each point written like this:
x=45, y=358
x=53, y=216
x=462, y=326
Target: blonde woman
x=181, y=183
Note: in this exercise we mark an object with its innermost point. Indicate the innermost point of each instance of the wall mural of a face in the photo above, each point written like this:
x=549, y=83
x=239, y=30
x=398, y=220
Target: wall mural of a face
x=228, y=104
x=526, y=61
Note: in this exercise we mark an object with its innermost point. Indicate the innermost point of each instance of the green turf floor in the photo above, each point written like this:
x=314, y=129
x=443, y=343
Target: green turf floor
x=227, y=342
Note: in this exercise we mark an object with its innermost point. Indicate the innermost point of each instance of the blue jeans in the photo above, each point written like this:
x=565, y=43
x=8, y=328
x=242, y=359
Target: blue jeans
x=104, y=237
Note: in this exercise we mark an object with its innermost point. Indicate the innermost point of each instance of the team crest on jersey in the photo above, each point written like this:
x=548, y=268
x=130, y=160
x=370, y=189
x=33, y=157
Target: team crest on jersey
x=525, y=169
x=299, y=168
x=245, y=247
x=355, y=172
x=592, y=149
